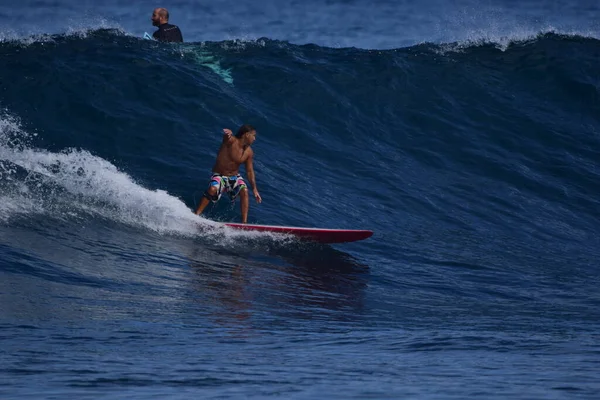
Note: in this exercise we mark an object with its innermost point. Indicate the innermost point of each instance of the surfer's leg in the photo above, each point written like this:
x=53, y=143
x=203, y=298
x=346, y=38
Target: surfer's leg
x=240, y=189
x=203, y=203
x=212, y=194
x=244, y=204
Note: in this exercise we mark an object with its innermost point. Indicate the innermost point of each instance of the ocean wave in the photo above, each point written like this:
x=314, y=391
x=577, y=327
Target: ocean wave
x=439, y=124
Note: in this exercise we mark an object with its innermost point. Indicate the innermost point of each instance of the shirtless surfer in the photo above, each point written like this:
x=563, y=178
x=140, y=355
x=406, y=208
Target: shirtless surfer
x=234, y=151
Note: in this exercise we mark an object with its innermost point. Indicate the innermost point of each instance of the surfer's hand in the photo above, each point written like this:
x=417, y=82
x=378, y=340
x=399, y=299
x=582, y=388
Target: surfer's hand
x=227, y=135
x=257, y=196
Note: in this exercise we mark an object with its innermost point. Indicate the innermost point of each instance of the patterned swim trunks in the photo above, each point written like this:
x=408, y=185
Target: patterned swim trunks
x=232, y=185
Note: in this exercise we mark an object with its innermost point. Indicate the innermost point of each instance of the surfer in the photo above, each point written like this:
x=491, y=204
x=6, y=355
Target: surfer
x=166, y=32
x=234, y=151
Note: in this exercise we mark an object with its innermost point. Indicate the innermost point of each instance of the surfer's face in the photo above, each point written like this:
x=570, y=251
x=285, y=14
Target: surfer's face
x=250, y=137
x=155, y=18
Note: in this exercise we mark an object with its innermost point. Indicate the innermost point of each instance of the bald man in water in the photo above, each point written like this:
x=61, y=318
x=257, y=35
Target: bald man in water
x=166, y=32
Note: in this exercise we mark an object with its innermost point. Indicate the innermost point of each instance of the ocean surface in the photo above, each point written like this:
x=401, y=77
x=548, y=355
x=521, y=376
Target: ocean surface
x=465, y=134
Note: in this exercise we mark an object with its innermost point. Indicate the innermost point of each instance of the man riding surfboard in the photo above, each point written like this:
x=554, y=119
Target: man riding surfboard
x=225, y=178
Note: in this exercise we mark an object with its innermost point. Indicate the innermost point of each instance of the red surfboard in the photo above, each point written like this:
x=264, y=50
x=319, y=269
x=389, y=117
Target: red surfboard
x=313, y=234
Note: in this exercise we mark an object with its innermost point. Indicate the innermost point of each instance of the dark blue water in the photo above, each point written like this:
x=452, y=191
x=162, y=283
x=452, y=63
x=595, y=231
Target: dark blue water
x=469, y=145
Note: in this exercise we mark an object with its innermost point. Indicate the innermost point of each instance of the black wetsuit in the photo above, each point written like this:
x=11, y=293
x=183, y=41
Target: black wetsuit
x=168, y=33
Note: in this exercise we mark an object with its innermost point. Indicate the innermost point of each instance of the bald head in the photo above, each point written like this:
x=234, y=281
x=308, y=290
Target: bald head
x=160, y=16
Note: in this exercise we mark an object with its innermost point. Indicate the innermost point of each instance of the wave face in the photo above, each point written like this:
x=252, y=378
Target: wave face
x=475, y=163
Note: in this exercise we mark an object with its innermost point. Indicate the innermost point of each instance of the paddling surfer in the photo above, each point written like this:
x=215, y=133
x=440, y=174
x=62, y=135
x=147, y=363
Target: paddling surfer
x=235, y=150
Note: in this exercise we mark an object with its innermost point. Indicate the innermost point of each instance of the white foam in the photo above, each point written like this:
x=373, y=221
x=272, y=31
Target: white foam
x=80, y=28
x=90, y=185
x=83, y=26
x=465, y=27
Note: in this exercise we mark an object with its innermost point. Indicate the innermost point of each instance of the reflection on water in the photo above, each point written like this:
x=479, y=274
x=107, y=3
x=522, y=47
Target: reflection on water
x=109, y=273
x=296, y=280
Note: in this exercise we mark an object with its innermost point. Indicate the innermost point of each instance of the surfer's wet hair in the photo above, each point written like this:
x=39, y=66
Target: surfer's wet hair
x=243, y=130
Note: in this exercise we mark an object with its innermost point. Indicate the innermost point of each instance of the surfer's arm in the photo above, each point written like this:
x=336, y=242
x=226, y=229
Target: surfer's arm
x=251, y=177
x=227, y=136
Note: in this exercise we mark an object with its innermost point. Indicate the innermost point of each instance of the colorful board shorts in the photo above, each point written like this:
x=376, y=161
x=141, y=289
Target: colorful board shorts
x=232, y=185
